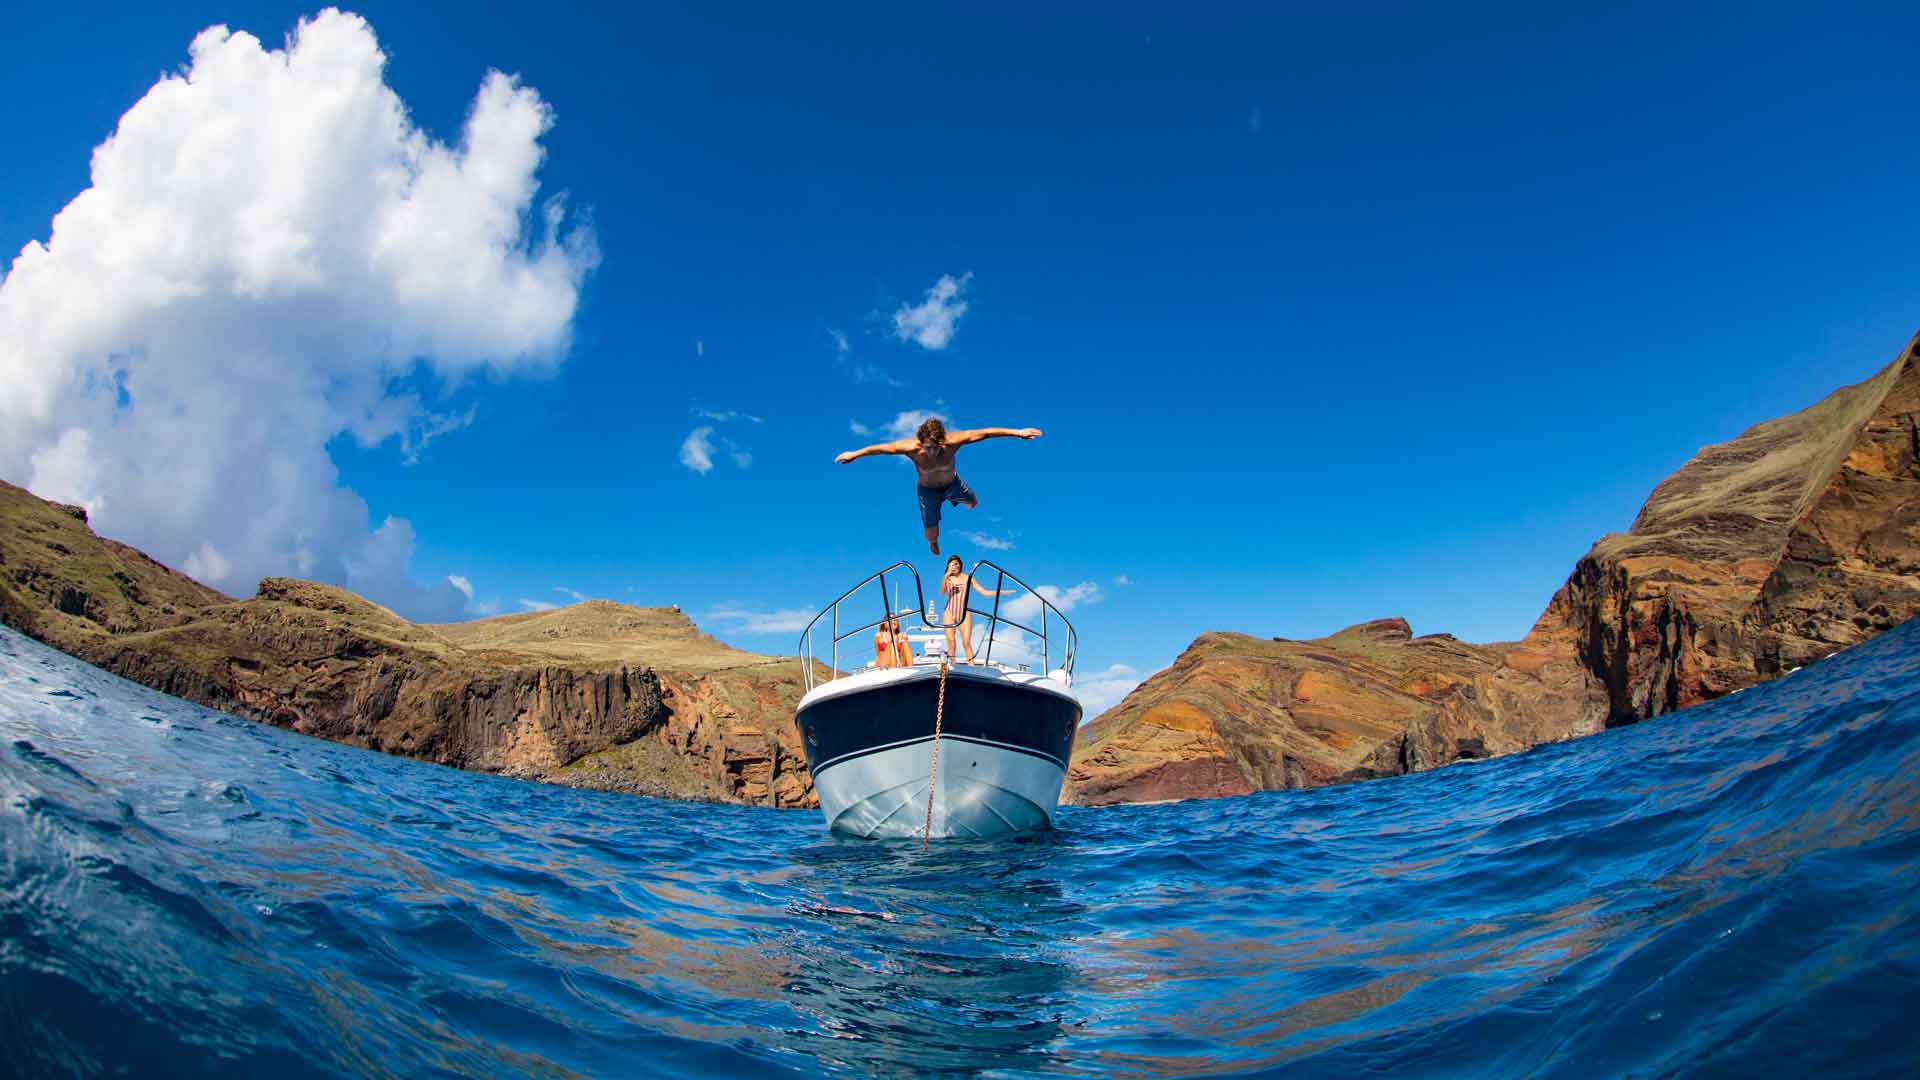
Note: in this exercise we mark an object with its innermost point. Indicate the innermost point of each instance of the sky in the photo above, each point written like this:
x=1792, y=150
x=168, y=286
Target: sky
x=1328, y=313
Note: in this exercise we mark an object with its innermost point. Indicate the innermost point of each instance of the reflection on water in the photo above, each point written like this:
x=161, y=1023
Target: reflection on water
x=958, y=959
x=1729, y=890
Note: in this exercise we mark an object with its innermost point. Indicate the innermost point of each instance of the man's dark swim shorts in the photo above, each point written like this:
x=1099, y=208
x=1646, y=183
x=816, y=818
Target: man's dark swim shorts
x=956, y=493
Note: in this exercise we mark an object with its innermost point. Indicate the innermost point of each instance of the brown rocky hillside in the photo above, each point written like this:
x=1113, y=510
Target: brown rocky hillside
x=594, y=695
x=1798, y=538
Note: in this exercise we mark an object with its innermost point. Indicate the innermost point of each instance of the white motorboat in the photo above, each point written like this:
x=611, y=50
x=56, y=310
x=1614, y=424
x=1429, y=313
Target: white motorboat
x=890, y=757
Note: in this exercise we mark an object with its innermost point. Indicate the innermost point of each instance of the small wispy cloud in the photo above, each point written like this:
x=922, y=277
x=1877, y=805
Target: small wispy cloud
x=861, y=371
x=578, y=596
x=536, y=605
x=726, y=416
x=1123, y=581
x=904, y=423
x=930, y=324
x=780, y=621
x=908, y=422
x=872, y=373
x=461, y=583
x=697, y=450
x=414, y=439
x=991, y=543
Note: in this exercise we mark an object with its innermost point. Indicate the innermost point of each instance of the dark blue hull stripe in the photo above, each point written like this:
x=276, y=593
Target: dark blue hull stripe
x=1029, y=720
x=1027, y=750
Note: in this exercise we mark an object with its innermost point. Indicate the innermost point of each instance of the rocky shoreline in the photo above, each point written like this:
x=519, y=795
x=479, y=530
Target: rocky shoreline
x=597, y=695
x=1796, y=539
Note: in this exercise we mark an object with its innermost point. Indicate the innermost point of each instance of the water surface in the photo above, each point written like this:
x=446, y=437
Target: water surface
x=1727, y=891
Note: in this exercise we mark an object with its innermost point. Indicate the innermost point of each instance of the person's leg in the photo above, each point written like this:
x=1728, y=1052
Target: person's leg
x=949, y=644
x=966, y=636
x=930, y=499
x=961, y=495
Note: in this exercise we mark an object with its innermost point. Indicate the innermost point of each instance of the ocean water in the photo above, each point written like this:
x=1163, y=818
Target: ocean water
x=1733, y=890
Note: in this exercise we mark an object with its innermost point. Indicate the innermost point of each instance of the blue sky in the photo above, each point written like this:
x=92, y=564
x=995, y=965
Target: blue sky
x=1327, y=314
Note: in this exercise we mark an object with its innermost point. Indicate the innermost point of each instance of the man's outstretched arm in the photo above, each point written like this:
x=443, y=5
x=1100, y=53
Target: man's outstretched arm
x=974, y=435
x=898, y=446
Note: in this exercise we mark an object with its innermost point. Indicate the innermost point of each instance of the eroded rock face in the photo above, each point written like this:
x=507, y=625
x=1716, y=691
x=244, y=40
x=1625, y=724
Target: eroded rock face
x=1798, y=538
x=596, y=695
x=1236, y=714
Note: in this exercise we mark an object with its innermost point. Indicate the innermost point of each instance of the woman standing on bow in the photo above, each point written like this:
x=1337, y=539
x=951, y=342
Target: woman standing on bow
x=953, y=586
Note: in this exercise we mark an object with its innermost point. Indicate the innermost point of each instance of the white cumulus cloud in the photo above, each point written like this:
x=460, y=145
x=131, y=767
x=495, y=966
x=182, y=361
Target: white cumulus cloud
x=1026, y=607
x=930, y=323
x=377, y=569
x=1014, y=646
x=1102, y=690
x=266, y=248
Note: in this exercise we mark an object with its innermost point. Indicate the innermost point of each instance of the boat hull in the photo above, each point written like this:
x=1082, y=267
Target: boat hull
x=1003, y=751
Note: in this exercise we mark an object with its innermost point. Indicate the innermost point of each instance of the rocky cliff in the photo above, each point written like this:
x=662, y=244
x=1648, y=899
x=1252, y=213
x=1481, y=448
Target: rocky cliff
x=1798, y=538
x=595, y=695
x=1236, y=713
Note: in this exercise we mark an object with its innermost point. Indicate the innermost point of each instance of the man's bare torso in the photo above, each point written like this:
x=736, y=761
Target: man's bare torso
x=935, y=469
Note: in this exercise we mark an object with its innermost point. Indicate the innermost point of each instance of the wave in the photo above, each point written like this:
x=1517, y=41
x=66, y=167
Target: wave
x=1726, y=890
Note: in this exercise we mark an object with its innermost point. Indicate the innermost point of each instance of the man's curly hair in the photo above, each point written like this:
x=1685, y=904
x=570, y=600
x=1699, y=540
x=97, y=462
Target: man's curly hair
x=932, y=434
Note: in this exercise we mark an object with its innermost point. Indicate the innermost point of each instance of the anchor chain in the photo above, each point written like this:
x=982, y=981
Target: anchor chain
x=933, y=767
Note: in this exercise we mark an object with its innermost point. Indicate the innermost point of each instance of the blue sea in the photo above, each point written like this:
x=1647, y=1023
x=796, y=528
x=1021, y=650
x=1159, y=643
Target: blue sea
x=1730, y=891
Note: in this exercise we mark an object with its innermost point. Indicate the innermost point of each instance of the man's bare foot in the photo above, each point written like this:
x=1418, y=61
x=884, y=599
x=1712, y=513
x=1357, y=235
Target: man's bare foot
x=933, y=545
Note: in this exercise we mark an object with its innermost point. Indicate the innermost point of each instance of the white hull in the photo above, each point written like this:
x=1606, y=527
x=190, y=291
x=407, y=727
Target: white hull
x=981, y=790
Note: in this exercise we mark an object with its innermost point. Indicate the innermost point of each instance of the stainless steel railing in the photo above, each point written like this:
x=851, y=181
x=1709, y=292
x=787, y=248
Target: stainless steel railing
x=887, y=582
x=996, y=620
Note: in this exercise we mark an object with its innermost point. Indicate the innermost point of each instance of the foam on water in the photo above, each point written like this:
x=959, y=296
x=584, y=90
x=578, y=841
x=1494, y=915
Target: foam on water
x=1731, y=890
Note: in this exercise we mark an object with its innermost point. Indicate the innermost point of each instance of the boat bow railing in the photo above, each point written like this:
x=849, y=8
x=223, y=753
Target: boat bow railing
x=842, y=619
x=1048, y=614
x=886, y=602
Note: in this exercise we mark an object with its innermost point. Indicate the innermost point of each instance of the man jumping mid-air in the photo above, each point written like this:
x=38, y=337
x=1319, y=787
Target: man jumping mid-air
x=932, y=450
